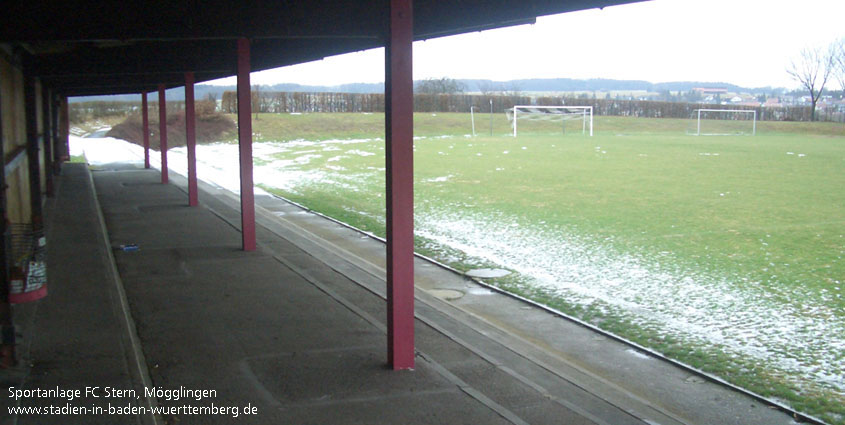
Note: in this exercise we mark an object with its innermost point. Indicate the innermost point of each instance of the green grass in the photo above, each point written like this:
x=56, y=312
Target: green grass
x=766, y=213
x=325, y=126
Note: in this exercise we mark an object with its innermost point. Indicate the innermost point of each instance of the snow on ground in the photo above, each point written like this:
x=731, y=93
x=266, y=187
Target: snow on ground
x=217, y=163
x=104, y=150
x=359, y=152
x=700, y=308
x=438, y=179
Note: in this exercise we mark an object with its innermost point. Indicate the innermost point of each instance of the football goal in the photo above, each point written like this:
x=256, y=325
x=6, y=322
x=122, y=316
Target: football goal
x=723, y=122
x=552, y=113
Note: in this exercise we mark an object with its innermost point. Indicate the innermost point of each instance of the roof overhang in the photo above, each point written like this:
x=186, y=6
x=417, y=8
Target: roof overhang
x=115, y=47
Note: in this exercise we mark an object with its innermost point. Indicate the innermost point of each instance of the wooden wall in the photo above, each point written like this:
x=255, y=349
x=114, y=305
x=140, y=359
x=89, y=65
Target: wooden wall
x=14, y=139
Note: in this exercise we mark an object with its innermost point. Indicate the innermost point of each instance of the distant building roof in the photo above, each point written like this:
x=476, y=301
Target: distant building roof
x=772, y=102
x=710, y=90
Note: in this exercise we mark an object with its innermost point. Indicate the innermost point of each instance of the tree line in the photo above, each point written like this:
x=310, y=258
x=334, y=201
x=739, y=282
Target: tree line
x=297, y=102
x=287, y=102
x=293, y=102
x=79, y=112
x=660, y=109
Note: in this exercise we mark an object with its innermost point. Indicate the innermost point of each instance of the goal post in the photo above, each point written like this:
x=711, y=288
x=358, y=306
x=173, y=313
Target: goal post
x=724, y=122
x=552, y=113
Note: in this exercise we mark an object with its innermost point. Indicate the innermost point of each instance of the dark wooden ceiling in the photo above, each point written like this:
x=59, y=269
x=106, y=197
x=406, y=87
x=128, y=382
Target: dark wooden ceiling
x=112, y=47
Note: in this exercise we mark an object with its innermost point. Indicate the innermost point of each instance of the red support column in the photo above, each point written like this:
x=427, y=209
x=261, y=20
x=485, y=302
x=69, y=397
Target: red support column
x=145, y=123
x=191, y=138
x=31, y=116
x=399, y=152
x=245, y=144
x=162, y=130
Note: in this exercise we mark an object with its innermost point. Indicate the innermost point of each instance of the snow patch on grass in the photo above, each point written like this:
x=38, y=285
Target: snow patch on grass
x=438, y=179
x=359, y=152
x=793, y=337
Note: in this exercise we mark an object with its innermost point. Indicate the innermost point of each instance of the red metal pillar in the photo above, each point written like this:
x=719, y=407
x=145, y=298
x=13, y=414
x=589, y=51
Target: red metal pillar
x=399, y=152
x=162, y=131
x=245, y=144
x=191, y=138
x=145, y=123
x=33, y=159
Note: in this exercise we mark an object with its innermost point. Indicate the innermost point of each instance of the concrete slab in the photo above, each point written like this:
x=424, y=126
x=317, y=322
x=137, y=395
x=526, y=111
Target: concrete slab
x=340, y=375
x=260, y=333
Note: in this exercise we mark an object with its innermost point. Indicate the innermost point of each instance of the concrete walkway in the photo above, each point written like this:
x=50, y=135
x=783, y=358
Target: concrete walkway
x=295, y=331
x=78, y=336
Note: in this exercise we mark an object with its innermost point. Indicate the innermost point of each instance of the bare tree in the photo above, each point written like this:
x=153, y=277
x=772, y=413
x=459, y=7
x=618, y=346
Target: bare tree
x=812, y=69
x=229, y=102
x=512, y=89
x=838, y=51
x=487, y=87
x=255, y=98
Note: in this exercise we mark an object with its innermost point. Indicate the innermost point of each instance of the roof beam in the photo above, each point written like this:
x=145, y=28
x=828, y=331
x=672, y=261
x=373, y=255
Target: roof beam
x=114, y=46
x=110, y=20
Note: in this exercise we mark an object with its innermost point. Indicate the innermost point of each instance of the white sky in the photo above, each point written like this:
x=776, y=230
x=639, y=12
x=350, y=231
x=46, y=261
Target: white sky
x=745, y=42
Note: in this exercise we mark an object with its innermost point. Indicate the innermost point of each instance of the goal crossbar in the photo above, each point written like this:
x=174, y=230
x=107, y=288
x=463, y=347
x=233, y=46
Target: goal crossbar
x=584, y=113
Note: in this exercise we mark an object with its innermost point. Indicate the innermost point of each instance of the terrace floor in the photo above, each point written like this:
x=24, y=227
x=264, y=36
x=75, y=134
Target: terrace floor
x=296, y=330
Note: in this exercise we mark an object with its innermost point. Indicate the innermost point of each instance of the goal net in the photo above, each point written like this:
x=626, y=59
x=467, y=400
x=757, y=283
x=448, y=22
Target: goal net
x=723, y=122
x=559, y=115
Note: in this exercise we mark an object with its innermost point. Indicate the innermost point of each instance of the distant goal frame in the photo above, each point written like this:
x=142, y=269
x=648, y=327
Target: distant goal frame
x=587, y=111
x=698, y=112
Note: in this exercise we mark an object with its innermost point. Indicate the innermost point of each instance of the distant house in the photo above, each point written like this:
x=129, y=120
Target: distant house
x=707, y=90
x=827, y=102
x=772, y=102
x=787, y=100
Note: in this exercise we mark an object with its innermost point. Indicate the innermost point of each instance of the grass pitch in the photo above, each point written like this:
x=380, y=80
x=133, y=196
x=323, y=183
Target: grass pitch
x=723, y=252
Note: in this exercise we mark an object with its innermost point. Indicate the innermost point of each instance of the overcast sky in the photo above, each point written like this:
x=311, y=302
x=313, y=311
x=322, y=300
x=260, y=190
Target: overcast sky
x=743, y=42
